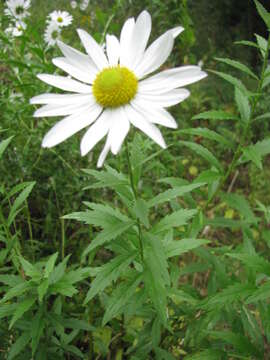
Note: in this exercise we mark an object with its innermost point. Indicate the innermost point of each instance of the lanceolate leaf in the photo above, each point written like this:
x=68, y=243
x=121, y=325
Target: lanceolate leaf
x=263, y=13
x=243, y=105
x=173, y=193
x=232, y=80
x=120, y=297
x=208, y=134
x=204, y=153
x=238, y=65
x=19, y=201
x=19, y=345
x=4, y=144
x=108, y=273
x=176, y=248
x=22, y=307
x=215, y=115
x=178, y=218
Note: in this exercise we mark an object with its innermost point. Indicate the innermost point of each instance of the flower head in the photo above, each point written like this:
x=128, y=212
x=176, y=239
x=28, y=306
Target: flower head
x=52, y=34
x=60, y=18
x=17, y=9
x=17, y=29
x=114, y=90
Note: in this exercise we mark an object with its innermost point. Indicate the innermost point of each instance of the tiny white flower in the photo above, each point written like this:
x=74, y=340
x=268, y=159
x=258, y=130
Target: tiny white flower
x=52, y=34
x=84, y=5
x=17, y=29
x=73, y=4
x=113, y=91
x=60, y=18
x=17, y=9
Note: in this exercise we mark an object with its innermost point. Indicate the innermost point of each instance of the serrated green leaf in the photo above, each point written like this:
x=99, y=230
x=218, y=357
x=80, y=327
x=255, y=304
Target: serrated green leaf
x=22, y=308
x=260, y=294
x=64, y=288
x=108, y=234
x=29, y=269
x=37, y=328
x=239, y=341
x=204, y=153
x=239, y=203
x=141, y=210
x=178, y=295
x=262, y=43
x=215, y=115
x=231, y=294
x=178, y=218
x=19, y=201
x=208, y=134
x=263, y=13
x=176, y=248
x=237, y=65
x=108, y=273
x=247, y=43
x=17, y=290
x=157, y=293
x=208, y=176
x=19, y=345
x=42, y=289
x=243, y=105
x=120, y=297
x=254, y=262
x=251, y=154
x=4, y=144
x=171, y=194
x=262, y=117
x=50, y=265
x=232, y=80
x=7, y=310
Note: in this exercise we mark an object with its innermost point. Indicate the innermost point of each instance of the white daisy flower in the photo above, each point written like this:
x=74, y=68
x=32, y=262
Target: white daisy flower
x=73, y=4
x=17, y=8
x=17, y=29
x=52, y=34
x=114, y=90
x=61, y=18
x=84, y=4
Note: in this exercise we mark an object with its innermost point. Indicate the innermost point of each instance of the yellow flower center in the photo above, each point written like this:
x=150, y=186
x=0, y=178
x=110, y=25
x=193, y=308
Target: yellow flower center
x=115, y=86
x=60, y=20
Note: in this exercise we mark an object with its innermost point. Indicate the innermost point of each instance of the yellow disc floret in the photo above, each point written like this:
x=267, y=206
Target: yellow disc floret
x=115, y=86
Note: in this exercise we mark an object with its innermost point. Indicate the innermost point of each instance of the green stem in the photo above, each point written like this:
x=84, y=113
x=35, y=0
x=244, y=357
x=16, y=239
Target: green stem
x=135, y=193
x=246, y=130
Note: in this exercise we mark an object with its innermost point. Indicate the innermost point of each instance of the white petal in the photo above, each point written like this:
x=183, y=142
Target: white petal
x=171, y=79
x=149, y=129
x=170, y=98
x=78, y=59
x=118, y=130
x=93, y=49
x=155, y=115
x=63, y=99
x=139, y=39
x=96, y=132
x=126, y=41
x=65, y=83
x=155, y=55
x=57, y=110
x=75, y=71
x=70, y=125
x=113, y=49
x=103, y=154
x=176, y=31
